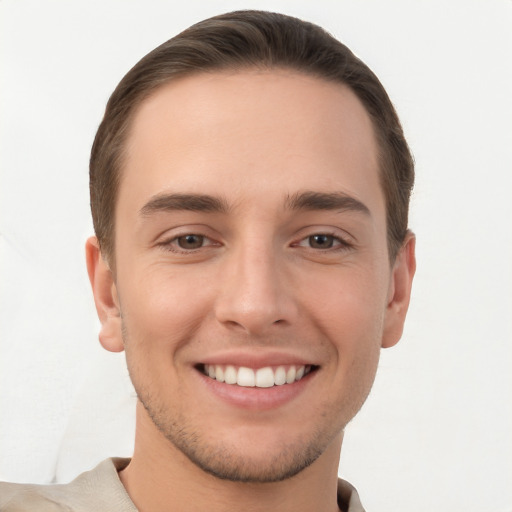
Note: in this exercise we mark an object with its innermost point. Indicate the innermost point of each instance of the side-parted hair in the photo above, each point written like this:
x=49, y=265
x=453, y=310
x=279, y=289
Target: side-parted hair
x=247, y=40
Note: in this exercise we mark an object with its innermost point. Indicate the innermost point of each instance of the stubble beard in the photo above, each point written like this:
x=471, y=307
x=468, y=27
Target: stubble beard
x=225, y=461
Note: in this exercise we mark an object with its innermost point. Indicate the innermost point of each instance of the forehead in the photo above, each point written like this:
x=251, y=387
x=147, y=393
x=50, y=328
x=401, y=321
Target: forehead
x=249, y=132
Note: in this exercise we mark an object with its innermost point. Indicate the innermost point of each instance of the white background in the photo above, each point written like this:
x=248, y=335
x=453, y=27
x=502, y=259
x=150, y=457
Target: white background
x=436, y=432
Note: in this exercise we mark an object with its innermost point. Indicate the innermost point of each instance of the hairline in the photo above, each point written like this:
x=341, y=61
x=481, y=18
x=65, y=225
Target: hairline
x=382, y=155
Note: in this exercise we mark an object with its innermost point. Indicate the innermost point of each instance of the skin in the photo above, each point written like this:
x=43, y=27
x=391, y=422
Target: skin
x=260, y=287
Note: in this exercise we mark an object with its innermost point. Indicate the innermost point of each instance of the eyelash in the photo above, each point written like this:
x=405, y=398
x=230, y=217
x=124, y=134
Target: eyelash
x=172, y=244
x=340, y=243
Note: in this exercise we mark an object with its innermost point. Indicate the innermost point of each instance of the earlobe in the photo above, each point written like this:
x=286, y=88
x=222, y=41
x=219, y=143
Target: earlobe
x=105, y=297
x=400, y=291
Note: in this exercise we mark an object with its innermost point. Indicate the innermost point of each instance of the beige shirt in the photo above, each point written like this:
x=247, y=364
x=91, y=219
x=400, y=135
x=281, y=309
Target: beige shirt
x=100, y=490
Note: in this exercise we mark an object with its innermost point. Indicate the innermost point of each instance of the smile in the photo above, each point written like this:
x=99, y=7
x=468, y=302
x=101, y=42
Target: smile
x=265, y=377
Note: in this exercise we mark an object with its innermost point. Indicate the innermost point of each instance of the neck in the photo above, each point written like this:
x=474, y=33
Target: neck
x=159, y=477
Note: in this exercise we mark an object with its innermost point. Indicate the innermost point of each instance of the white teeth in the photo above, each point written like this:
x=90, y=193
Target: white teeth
x=230, y=376
x=280, y=376
x=265, y=377
x=290, y=375
x=246, y=377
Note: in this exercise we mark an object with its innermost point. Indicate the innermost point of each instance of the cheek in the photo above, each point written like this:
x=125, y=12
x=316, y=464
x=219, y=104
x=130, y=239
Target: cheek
x=162, y=308
x=161, y=313
x=350, y=314
x=350, y=307
x=350, y=320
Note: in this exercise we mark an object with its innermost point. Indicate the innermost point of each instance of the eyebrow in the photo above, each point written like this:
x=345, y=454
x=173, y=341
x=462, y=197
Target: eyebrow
x=325, y=201
x=190, y=202
x=211, y=204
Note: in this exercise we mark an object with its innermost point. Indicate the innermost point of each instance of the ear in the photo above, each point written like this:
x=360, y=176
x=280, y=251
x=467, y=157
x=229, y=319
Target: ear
x=105, y=297
x=399, y=291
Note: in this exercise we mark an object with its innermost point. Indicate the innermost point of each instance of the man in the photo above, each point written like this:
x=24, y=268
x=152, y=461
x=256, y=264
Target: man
x=249, y=190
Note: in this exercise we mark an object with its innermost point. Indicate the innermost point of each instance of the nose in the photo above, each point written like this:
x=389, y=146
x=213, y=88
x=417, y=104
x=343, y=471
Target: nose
x=255, y=293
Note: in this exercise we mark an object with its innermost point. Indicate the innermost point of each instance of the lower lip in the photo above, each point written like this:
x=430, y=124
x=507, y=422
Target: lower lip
x=256, y=398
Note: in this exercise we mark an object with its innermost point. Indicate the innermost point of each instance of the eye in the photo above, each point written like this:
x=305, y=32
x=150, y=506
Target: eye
x=324, y=241
x=187, y=243
x=190, y=241
x=321, y=241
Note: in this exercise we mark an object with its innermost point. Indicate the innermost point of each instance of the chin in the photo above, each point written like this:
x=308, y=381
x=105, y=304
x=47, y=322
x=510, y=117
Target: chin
x=258, y=463
x=250, y=453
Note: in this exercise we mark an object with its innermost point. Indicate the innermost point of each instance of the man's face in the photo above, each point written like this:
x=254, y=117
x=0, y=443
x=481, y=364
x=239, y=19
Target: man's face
x=251, y=245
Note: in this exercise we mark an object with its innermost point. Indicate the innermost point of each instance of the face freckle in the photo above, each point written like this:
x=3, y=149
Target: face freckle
x=251, y=232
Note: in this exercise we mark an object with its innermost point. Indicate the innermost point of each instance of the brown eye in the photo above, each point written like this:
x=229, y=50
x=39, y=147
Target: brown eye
x=321, y=241
x=190, y=241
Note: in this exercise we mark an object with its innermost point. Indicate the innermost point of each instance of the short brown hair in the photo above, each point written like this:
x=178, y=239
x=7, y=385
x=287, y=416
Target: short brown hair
x=241, y=40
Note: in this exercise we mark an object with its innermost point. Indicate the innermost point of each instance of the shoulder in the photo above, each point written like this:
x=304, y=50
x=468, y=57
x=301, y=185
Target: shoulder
x=28, y=497
x=348, y=498
x=95, y=490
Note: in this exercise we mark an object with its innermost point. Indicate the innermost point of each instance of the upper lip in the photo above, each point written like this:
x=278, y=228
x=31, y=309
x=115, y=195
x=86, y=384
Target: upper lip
x=256, y=359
